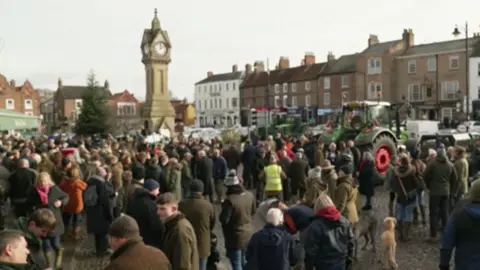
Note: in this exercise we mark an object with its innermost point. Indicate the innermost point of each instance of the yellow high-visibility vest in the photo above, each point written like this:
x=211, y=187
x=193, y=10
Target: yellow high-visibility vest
x=273, y=178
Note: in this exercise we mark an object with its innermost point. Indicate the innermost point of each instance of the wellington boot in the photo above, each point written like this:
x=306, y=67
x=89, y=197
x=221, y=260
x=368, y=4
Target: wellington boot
x=50, y=259
x=391, y=212
x=423, y=214
x=59, y=261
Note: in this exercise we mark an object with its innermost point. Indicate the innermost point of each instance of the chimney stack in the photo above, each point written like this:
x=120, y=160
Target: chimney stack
x=12, y=83
x=209, y=74
x=284, y=62
x=234, y=68
x=372, y=40
x=259, y=66
x=330, y=57
x=302, y=63
x=309, y=58
x=408, y=37
x=248, y=68
x=59, y=83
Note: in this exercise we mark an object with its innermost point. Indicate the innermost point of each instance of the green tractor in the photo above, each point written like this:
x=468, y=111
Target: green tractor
x=369, y=125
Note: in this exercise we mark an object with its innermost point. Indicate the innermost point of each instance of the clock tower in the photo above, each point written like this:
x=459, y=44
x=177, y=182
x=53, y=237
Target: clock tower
x=156, y=50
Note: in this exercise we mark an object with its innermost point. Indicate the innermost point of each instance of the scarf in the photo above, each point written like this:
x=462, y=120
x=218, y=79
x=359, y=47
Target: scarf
x=43, y=193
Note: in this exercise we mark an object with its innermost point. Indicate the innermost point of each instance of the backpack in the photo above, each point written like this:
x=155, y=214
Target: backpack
x=90, y=196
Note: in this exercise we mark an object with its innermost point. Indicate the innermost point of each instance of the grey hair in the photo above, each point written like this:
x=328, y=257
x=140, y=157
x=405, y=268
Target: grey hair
x=24, y=163
x=432, y=152
x=274, y=217
x=332, y=145
x=202, y=153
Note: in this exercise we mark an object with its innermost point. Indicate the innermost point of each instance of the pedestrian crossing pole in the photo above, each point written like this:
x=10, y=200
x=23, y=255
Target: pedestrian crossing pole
x=267, y=101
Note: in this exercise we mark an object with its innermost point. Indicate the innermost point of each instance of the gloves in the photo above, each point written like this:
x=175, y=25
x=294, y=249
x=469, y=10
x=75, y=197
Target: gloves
x=444, y=267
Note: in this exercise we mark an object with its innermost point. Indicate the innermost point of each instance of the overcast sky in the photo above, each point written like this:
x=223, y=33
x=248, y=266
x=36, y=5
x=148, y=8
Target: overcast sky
x=47, y=39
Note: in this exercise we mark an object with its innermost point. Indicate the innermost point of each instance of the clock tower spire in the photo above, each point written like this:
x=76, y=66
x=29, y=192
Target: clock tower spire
x=158, y=112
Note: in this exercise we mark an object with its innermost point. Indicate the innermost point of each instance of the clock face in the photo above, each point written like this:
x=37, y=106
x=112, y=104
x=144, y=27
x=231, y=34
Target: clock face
x=161, y=48
x=146, y=49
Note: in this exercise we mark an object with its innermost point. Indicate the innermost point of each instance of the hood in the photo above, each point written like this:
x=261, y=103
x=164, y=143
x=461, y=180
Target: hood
x=402, y=171
x=473, y=210
x=330, y=213
x=21, y=224
x=298, y=217
x=441, y=158
x=271, y=236
x=141, y=192
x=346, y=179
x=96, y=178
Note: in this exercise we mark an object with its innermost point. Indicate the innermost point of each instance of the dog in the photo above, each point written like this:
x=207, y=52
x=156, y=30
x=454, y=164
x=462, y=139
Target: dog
x=365, y=228
x=388, y=244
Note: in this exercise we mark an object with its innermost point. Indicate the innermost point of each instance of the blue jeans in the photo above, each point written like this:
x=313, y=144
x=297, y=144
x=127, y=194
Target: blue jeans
x=237, y=258
x=203, y=263
x=51, y=243
x=72, y=220
x=405, y=212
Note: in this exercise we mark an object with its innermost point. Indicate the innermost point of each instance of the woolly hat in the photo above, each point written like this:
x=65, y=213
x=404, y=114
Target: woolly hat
x=298, y=218
x=347, y=169
x=232, y=179
x=196, y=186
x=151, y=185
x=125, y=227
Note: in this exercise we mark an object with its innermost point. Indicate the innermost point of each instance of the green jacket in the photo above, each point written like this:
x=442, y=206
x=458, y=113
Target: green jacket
x=14, y=266
x=34, y=243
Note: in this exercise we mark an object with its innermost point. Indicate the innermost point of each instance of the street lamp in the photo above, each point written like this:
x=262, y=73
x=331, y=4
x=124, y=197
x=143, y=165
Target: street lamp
x=456, y=33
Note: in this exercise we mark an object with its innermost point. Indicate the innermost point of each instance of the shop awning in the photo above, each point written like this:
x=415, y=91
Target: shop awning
x=16, y=121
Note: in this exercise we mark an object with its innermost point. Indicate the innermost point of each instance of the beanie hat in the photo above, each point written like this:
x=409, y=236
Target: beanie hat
x=138, y=172
x=298, y=218
x=151, y=185
x=232, y=179
x=196, y=186
x=347, y=169
x=125, y=227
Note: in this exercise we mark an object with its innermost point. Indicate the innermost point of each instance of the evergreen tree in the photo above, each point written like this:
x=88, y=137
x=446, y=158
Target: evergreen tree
x=94, y=115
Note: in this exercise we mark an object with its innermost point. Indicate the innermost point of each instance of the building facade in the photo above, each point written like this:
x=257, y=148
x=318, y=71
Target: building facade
x=217, y=99
x=432, y=77
x=126, y=110
x=48, y=113
x=19, y=98
x=67, y=103
x=474, y=77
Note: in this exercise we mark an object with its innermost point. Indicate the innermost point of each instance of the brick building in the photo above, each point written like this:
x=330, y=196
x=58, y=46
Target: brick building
x=19, y=98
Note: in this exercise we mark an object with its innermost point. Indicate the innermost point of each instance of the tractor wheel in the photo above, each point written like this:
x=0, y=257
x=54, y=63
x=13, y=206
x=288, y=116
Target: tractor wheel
x=383, y=151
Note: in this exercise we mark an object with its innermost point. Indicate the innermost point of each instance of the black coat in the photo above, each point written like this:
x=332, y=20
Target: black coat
x=20, y=182
x=99, y=216
x=204, y=172
x=366, y=178
x=54, y=194
x=141, y=206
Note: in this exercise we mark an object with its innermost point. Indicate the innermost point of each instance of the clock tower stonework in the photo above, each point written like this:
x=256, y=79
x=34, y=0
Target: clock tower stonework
x=157, y=112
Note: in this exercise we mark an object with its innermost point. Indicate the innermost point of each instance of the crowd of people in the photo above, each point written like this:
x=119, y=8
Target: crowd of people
x=281, y=203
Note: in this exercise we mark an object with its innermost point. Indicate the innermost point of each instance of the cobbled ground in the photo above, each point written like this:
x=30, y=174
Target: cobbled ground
x=414, y=255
